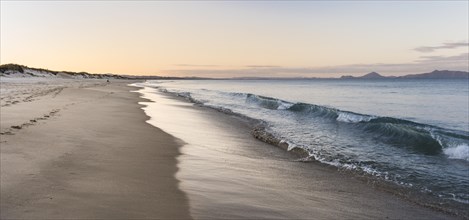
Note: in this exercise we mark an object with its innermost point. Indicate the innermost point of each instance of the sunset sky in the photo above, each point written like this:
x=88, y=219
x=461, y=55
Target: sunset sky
x=224, y=39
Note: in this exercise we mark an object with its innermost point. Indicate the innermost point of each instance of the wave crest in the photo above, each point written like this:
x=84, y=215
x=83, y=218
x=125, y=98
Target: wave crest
x=267, y=102
x=458, y=152
x=353, y=118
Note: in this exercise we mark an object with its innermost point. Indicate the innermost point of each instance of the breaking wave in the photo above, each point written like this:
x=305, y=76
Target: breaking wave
x=383, y=147
x=420, y=138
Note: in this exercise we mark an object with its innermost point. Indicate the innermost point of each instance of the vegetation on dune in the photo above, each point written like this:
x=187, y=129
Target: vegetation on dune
x=6, y=69
x=12, y=67
x=20, y=68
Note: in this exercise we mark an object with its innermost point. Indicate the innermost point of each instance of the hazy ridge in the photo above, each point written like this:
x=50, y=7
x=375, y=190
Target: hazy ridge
x=16, y=70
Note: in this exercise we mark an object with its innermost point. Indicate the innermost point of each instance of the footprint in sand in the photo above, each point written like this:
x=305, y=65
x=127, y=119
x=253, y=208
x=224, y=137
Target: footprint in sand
x=6, y=132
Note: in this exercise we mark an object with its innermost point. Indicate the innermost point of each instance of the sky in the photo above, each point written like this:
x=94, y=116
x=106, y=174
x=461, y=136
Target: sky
x=237, y=38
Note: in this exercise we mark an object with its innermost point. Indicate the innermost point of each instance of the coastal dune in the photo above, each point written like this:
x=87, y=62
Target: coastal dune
x=86, y=152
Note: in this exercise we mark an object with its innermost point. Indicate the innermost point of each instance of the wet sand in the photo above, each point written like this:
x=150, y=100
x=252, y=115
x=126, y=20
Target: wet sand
x=84, y=151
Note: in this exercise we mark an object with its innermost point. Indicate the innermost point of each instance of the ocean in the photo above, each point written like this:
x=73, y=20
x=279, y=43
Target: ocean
x=411, y=133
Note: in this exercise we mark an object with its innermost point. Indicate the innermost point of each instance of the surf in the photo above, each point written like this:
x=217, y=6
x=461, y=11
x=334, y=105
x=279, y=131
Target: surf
x=379, y=146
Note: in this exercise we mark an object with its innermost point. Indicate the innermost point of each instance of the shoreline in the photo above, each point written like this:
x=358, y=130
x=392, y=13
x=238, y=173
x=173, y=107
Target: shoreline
x=355, y=189
x=258, y=131
x=93, y=157
x=89, y=150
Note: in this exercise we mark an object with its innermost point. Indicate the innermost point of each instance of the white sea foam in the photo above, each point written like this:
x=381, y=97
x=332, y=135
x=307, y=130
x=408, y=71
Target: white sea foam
x=184, y=94
x=291, y=146
x=458, y=152
x=353, y=118
x=284, y=105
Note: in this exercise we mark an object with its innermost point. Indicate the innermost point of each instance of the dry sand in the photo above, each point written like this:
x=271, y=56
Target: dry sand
x=83, y=150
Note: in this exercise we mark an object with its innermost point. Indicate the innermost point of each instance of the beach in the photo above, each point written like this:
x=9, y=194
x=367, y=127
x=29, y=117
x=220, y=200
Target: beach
x=85, y=149
x=86, y=153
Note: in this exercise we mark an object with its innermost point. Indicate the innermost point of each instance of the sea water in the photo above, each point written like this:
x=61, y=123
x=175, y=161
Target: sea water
x=414, y=133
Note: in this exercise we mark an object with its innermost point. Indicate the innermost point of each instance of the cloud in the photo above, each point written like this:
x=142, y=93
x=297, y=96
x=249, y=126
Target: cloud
x=428, y=49
x=260, y=66
x=194, y=65
x=421, y=65
x=464, y=57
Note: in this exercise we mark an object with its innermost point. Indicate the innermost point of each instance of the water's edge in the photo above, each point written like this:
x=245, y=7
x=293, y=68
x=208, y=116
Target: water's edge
x=259, y=131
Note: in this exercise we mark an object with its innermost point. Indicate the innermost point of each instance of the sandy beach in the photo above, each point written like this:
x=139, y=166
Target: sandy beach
x=82, y=149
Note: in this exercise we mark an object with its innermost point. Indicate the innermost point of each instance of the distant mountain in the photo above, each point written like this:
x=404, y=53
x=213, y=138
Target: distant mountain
x=436, y=74
x=439, y=74
x=372, y=75
x=347, y=77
